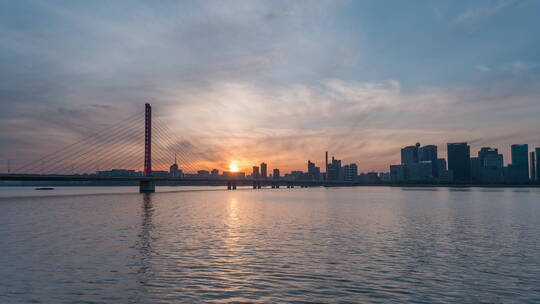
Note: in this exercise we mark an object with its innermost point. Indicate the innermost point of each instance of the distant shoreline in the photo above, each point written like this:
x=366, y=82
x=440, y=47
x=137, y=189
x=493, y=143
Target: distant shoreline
x=426, y=185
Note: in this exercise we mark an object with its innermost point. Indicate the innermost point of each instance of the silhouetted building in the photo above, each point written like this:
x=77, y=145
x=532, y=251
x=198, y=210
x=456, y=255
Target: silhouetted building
x=420, y=172
x=475, y=169
x=441, y=164
x=429, y=153
x=398, y=173
x=533, y=166
x=275, y=175
x=160, y=173
x=294, y=175
x=314, y=172
x=255, y=172
x=459, y=161
x=214, y=172
x=264, y=173
x=370, y=177
x=492, y=175
x=119, y=173
x=409, y=154
x=384, y=176
x=203, y=173
x=488, y=167
x=234, y=175
x=334, y=170
x=519, y=170
x=174, y=170
x=493, y=160
x=490, y=157
x=537, y=154
x=446, y=176
x=350, y=172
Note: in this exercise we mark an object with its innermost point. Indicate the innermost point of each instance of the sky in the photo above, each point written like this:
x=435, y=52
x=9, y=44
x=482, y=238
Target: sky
x=273, y=81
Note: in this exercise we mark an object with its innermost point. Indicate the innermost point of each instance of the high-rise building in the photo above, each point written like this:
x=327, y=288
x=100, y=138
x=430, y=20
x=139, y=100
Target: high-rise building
x=494, y=161
x=255, y=172
x=475, y=168
x=313, y=171
x=264, y=173
x=537, y=154
x=490, y=166
x=275, y=175
x=520, y=163
x=441, y=164
x=421, y=171
x=492, y=155
x=334, y=170
x=429, y=153
x=350, y=172
x=533, y=167
x=409, y=154
x=459, y=161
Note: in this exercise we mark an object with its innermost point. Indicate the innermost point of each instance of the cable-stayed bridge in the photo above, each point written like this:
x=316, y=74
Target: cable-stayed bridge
x=137, y=143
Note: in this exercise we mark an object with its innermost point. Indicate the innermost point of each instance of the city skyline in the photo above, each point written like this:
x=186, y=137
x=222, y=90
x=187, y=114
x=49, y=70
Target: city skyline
x=420, y=153
x=272, y=81
x=418, y=164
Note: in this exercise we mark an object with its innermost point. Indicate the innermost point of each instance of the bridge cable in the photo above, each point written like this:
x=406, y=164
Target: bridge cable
x=89, y=152
x=62, y=157
x=187, y=156
x=68, y=147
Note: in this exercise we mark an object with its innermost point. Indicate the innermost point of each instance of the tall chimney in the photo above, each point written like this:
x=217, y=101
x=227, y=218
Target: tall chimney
x=326, y=164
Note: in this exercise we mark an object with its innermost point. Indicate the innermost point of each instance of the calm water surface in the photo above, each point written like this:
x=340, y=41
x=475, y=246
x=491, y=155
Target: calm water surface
x=339, y=245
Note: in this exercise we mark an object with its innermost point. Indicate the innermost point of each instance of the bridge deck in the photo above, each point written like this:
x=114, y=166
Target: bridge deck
x=27, y=177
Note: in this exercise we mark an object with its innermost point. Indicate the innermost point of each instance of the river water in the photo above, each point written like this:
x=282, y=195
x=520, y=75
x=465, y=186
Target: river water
x=336, y=245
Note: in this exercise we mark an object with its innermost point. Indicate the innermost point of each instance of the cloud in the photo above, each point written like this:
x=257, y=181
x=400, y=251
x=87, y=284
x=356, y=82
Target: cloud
x=482, y=68
x=355, y=120
x=479, y=13
x=519, y=67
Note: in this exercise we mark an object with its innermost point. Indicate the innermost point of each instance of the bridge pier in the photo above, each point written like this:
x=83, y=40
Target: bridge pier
x=231, y=185
x=147, y=186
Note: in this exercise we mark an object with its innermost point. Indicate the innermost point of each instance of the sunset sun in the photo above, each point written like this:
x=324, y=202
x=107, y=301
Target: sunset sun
x=233, y=167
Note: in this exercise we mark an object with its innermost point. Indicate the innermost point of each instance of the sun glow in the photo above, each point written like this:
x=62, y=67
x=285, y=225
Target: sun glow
x=233, y=167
